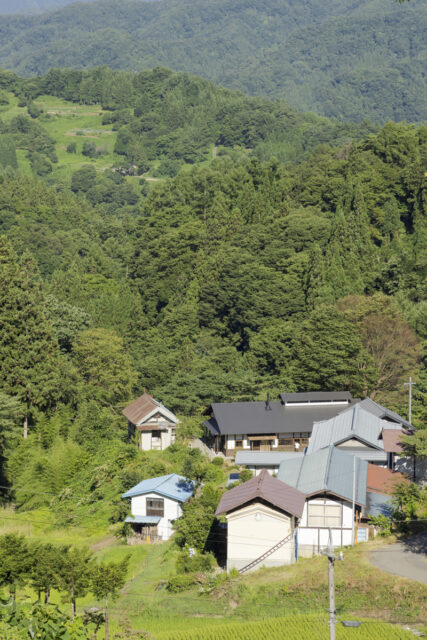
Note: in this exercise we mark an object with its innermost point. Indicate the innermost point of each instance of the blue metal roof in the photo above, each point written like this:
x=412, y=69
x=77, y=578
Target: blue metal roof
x=329, y=470
x=171, y=486
x=143, y=519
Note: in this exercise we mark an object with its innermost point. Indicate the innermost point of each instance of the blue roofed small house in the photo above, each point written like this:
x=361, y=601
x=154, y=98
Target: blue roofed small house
x=155, y=504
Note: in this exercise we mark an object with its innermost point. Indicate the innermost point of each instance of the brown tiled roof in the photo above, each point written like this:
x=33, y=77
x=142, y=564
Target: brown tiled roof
x=381, y=480
x=391, y=440
x=139, y=408
x=267, y=488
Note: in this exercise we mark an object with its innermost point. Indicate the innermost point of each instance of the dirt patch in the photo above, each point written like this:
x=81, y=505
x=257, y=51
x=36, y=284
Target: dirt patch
x=105, y=542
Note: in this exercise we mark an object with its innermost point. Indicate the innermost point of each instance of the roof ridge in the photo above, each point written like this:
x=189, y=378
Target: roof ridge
x=328, y=465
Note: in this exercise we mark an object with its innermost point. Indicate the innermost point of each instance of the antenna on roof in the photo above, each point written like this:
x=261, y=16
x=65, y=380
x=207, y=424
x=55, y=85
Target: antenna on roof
x=267, y=403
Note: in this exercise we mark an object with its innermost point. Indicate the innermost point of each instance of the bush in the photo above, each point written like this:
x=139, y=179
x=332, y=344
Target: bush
x=181, y=582
x=218, y=461
x=382, y=524
x=72, y=147
x=200, y=562
x=246, y=475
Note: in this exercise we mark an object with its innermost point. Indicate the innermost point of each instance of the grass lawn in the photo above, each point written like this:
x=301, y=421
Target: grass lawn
x=145, y=605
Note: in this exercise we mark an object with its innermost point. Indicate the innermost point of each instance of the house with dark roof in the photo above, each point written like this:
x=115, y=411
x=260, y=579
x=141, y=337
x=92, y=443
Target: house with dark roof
x=153, y=422
x=327, y=480
x=262, y=518
x=155, y=504
x=283, y=425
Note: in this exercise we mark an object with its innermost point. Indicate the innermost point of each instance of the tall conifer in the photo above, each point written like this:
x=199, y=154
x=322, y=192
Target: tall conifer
x=28, y=351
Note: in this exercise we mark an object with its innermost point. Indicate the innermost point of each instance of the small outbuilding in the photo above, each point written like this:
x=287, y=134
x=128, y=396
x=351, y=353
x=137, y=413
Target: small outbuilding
x=155, y=504
x=262, y=516
x=154, y=423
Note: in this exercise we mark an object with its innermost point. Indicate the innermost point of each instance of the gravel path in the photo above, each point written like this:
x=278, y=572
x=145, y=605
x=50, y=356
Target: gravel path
x=407, y=558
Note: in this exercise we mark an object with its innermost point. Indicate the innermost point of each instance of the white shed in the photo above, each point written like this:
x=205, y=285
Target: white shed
x=262, y=516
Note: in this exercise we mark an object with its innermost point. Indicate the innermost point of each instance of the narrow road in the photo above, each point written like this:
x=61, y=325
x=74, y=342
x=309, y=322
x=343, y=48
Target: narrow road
x=407, y=559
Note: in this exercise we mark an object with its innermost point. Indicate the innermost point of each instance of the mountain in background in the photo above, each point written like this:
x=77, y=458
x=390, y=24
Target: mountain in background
x=345, y=58
x=33, y=6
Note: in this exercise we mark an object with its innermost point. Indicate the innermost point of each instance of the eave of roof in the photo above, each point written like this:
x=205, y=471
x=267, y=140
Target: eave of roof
x=265, y=488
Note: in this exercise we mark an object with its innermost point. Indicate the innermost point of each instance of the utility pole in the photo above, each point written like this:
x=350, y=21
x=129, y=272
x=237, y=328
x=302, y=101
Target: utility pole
x=331, y=584
x=353, y=510
x=410, y=384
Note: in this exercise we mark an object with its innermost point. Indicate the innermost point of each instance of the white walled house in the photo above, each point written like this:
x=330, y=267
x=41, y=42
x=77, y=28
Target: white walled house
x=326, y=479
x=262, y=515
x=154, y=423
x=155, y=504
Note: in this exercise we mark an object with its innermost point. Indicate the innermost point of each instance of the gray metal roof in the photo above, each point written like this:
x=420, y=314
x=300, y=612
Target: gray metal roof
x=381, y=412
x=256, y=417
x=329, y=470
x=371, y=455
x=265, y=458
x=354, y=422
x=317, y=396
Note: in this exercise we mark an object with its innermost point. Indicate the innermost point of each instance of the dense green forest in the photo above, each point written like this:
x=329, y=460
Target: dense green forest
x=345, y=59
x=236, y=277
x=163, y=120
x=159, y=232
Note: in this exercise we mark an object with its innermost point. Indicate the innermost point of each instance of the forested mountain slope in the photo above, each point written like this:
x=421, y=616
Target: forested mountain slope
x=236, y=277
x=32, y=6
x=153, y=121
x=347, y=59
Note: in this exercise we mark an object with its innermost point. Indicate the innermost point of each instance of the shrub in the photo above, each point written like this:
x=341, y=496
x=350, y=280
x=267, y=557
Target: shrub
x=181, y=582
x=199, y=562
x=218, y=461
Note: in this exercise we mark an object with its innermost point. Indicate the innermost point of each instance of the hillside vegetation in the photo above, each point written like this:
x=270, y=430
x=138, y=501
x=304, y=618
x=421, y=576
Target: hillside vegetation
x=345, y=59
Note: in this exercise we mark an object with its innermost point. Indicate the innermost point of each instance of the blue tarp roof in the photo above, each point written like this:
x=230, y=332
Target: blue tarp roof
x=143, y=519
x=378, y=504
x=171, y=486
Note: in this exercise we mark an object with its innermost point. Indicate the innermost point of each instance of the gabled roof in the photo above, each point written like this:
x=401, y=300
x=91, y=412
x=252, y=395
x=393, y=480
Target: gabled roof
x=353, y=423
x=327, y=470
x=171, y=486
x=381, y=480
x=268, y=458
x=263, y=487
x=260, y=417
x=145, y=407
x=381, y=412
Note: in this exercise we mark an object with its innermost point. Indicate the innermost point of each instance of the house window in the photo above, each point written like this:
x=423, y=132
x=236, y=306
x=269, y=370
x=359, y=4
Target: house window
x=324, y=514
x=286, y=442
x=155, y=507
x=239, y=444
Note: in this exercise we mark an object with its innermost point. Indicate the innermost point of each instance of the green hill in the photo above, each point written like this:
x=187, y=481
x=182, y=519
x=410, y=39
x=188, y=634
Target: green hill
x=346, y=59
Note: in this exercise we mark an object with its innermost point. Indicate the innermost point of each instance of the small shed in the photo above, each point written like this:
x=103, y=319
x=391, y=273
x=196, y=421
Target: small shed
x=155, y=504
x=154, y=423
x=262, y=515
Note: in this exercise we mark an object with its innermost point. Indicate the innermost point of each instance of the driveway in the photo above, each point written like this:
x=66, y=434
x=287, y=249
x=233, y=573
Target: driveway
x=407, y=558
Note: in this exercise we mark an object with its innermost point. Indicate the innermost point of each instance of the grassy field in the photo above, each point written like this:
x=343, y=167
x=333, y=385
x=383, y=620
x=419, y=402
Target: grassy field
x=67, y=122
x=362, y=591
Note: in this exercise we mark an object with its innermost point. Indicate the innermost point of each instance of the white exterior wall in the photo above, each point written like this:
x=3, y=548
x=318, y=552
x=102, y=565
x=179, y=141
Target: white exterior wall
x=257, y=470
x=353, y=443
x=172, y=511
x=252, y=531
x=310, y=538
x=146, y=440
